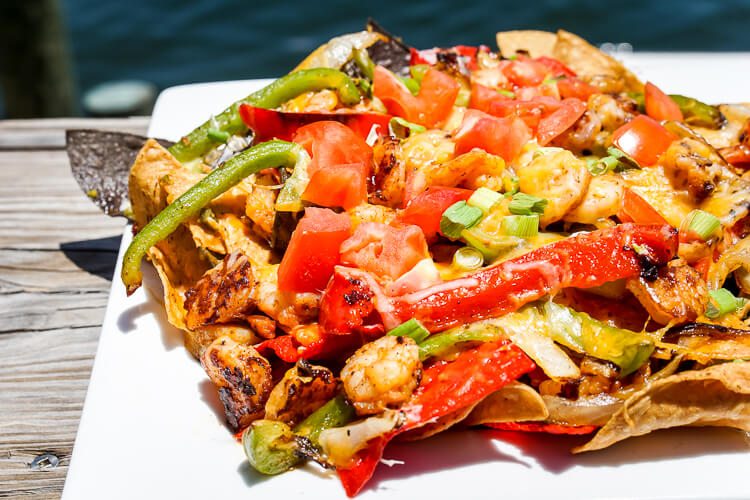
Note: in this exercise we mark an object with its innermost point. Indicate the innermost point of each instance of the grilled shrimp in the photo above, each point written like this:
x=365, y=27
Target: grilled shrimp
x=224, y=294
x=591, y=133
x=471, y=170
x=602, y=200
x=559, y=177
x=692, y=165
x=678, y=293
x=382, y=374
x=303, y=389
x=389, y=175
x=243, y=377
x=288, y=309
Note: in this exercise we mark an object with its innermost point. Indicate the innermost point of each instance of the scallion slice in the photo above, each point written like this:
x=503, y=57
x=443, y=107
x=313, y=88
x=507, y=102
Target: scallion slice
x=626, y=161
x=458, y=217
x=726, y=302
x=507, y=93
x=398, y=127
x=545, y=151
x=703, y=223
x=522, y=226
x=467, y=259
x=411, y=84
x=526, y=204
x=217, y=135
x=463, y=97
x=418, y=71
x=484, y=199
x=412, y=329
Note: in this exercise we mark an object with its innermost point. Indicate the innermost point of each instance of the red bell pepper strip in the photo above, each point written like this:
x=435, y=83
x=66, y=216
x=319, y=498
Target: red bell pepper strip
x=268, y=124
x=581, y=261
x=633, y=208
x=548, y=428
x=445, y=388
x=288, y=349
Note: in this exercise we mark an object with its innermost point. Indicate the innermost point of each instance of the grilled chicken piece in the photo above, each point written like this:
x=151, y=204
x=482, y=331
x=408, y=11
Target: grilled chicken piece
x=678, y=293
x=221, y=295
x=382, y=374
x=243, y=377
x=304, y=389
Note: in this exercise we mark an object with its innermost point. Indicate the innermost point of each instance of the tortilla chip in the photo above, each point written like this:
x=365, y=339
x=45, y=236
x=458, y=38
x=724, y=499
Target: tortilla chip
x=715, y=396
x=441, y=424
x=536, y=43
x=588, y=61
x=516, y=402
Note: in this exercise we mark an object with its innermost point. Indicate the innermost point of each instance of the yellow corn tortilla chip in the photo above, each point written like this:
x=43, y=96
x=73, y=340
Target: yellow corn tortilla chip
x=586, y=60
x=536, y=43
x=516, y=402
x=442, y=424
x=715, y=396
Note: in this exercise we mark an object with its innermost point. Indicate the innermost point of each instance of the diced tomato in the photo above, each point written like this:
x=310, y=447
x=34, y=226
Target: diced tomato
x=430, y=107
x=525, y=72
x=659, y=105
x=633, y=208
x=575, y=87
x=504, y=137
x=555, y=67
x=560, y=120
x=387, y=251
x=340, y=164
x=531, y=93
x=289, y=349
x=484, y=98
x=541, y=427
x=269, y=124
x=496, y=104
x=313, y=250
x=426, y=209
x=644, y=139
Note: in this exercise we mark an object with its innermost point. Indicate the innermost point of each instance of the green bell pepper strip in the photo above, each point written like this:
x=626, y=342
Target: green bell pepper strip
x=441, y=342
x=698, y=113
x=266, y=155
x=582, y=333
x=271, y=447
x=198, y=142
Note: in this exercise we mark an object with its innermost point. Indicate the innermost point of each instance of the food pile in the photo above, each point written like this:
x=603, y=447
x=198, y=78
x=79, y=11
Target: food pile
x=389, y=242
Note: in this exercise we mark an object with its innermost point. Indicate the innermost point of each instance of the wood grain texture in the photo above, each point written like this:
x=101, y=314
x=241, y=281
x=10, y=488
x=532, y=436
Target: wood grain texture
x=57, y=257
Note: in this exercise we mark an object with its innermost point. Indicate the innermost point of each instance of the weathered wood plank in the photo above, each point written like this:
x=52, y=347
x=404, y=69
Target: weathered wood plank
x=50, y=133
x=57, y=256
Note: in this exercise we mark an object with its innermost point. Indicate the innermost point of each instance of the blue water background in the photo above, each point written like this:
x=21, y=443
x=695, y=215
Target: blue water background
x=170, y=42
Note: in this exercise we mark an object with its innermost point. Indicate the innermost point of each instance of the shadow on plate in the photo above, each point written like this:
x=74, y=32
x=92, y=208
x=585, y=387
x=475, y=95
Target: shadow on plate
x=97, y=257
x=210, y=396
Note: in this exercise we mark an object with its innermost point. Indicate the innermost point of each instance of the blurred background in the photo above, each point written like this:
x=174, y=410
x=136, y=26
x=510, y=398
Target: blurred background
x=98, y=57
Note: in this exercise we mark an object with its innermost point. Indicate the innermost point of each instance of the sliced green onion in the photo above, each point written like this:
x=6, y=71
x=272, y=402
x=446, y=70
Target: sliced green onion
x=412, y=329
x=418, y=71
x=513, y=57
x=627, y=162
x=550, y=81
x=601, y=166
x=726, y=302
x=458, y=217
x=510, y=186
x=365, y=87
x=398, y=127
x=490, y=246
x=522, y=226
x=217, y=135
x=704, y=223
x=507, y=93
x=484, y=199
x=467, y=259
x=545, y=151
x=362, y=59
x=411, y=84
x=526, y=204
x=463, y=97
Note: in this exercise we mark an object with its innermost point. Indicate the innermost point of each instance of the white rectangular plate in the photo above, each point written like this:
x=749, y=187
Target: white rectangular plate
x=152, y=425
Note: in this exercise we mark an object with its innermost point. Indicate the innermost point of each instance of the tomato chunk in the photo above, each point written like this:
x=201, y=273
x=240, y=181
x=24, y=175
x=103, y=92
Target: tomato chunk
x=339, y=167
x=525, y=72
x=313, y=250
x=386, y=251
x=555, y=67
x=644, y=139
x=426, y=209
x=633, y=208
x=659, y=105
x=504, y=137
x=430, y=107
x=560, y=120
x=575, y=87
